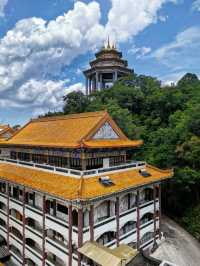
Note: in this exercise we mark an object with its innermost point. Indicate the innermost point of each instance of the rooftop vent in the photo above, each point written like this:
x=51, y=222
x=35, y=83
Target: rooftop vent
x=144, y=173
x=106, y=181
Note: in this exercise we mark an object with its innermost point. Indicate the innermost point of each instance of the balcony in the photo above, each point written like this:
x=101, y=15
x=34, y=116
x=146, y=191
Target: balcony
x=53, y=260
x=33, y=213
x=57, y=247
x=34, y=247
x=3, y=197
x=34, y=254
x=17, y=253
x=3, y=231
x=16, y=241
x=16, y=204
x=15, y=223
x=34, y=234
x=73, y=172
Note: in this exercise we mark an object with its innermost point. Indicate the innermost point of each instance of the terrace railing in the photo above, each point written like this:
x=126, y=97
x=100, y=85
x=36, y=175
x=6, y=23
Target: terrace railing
x=74, y=172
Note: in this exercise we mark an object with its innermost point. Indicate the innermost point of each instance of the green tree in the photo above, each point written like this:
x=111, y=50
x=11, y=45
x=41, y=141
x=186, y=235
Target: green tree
x=75, y=102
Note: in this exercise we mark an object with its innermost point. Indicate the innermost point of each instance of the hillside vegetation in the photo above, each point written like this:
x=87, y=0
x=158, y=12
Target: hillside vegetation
x=168, y=120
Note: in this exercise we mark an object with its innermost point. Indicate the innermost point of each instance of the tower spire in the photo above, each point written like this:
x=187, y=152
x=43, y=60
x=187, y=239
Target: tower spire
x=108, y=44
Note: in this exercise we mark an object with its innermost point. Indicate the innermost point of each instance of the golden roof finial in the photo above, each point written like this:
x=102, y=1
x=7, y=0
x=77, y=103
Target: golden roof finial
x=113, y=46
x=108, y=45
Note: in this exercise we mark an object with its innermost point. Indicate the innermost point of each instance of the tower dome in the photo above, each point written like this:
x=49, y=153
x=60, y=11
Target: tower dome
x=105, y=69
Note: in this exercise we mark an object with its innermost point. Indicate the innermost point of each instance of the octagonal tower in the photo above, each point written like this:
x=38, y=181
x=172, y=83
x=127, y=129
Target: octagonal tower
x=105, y=69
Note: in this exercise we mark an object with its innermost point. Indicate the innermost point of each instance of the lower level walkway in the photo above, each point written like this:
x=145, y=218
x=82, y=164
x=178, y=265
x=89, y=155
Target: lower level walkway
x=179, y=247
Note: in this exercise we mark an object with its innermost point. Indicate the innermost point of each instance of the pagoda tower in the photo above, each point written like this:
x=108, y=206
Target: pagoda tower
x=105, y=69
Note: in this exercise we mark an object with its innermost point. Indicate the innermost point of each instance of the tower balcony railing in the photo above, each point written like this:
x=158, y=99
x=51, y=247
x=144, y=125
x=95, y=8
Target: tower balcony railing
x=74, y=172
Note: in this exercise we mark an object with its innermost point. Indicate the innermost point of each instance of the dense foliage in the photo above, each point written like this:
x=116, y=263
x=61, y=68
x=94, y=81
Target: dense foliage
x=191, y=221
x=167, y=119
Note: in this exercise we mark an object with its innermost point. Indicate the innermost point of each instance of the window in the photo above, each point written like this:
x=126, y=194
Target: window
x=3, y=187
x=31, y=196
x=62, y=208
x=15, y=192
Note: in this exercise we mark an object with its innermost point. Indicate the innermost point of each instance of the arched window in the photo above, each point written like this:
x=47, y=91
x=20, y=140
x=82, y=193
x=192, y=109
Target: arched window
x=56, y=236
x=148, y=194
x=29, y=262
x=146, y=237
x=105, y=210
x=3, y=206
x=124, y=203
x=146, y=218
x=3, y=241
x=16, y=232
x=3, y=187
x=34, y=245
x=129, y=226
x=16, y=251
x=34, y=224
x=2, y=223
x=55, y=259
x=75, y=218
x=16, y=214
x=106, y=238
x=127, y=202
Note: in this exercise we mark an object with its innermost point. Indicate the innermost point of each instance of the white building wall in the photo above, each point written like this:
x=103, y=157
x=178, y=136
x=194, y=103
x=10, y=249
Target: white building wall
x=57, y=224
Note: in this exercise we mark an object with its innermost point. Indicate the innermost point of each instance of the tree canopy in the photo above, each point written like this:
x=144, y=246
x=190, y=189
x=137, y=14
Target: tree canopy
x=166, y=118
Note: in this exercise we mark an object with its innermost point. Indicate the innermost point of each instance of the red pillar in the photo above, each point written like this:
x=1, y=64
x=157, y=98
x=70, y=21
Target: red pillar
x=80, y=233
x=154, y=212
x=138, y=220
x=117, y=220
x=70, y=235
x=8, y=213
x=44, y=231
x=23, y=225
x=91, y=222
x=160, y=214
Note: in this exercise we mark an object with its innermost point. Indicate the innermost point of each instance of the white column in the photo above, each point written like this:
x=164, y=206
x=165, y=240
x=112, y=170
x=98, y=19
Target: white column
x=115, y=78
x=90, y=84
x=86, y=86
x=101, y=84
x=97, y=81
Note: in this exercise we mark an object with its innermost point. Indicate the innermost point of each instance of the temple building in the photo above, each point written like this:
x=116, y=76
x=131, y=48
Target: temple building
x=107, y=68
x=70, y=183
x=6, y=132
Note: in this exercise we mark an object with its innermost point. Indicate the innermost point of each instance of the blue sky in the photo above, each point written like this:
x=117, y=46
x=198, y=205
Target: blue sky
x=45, y=45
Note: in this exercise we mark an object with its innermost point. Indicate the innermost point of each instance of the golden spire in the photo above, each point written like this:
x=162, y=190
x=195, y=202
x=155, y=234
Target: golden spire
x=108, y=45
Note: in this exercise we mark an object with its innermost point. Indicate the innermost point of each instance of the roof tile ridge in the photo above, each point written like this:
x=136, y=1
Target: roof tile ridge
x=18, y=131
x=170, y=171
x=69, y=116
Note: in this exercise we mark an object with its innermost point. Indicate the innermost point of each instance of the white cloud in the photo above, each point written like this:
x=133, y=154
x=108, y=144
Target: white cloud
x=3, y=4
x=196, y=5
x=127, y=18
x=181, y=54
x=171, y=78
x=34, y=53
x=139, y=51
x=163, y=18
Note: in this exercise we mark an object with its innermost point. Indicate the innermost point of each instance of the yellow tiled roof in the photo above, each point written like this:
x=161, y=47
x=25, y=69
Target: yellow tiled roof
x=71, y=188
x=71, y=131
x=63, y=131
x=112, y=143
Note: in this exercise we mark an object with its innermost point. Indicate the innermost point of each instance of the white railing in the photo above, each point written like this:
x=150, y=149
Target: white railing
x=73, y=172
